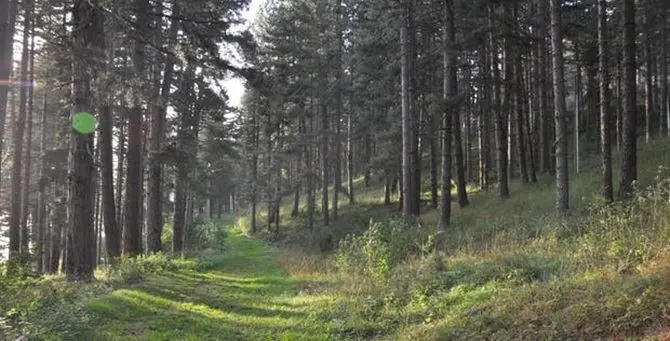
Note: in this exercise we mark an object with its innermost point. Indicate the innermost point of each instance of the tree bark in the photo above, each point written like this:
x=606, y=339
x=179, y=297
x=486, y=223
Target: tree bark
x=409, y=133
x=543, y=92
x=112, y=230
x=41, y=221
x=484, y=120
x=9, y=9
x=458, y=138
x=605, y=120
x=450, y=91
x=18, y=239
x=649, y=77
x=499, y=121
x=562, y=190
x=350, y=157
x=629, y=118
x=520, y=106
x=665, y=104
x=27, y=170
x=158, y=111
x=578, y=100
x=81, y=236
x=132, y=233
x=325, y=164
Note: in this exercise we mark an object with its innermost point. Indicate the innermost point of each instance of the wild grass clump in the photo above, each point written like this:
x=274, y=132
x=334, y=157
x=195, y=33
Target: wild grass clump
x=135, y=269
x=378, y=250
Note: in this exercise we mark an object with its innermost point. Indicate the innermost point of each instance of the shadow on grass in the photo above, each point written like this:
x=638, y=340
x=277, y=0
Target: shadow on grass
x=244, y=297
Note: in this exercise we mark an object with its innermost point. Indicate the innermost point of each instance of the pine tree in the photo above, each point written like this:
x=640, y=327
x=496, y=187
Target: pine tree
x=629, y=118
x=562, y=190
x=605, y=121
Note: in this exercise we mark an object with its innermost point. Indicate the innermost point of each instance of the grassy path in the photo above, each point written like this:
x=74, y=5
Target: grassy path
x=243, y=295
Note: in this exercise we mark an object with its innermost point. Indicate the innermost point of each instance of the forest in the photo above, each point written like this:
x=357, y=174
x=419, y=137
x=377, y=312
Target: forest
x=334, y=170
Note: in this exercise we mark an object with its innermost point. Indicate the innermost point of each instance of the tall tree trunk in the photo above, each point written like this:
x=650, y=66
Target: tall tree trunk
x=520, y=106
x=527, y=121
x=619, y=99
x=254, y=170
x=578, y=101
x=543, y=92
x=450, y=91
x=409, y=133
x=629, y=117
x=81, y=237
x=9, y=10
x=665, y=104
x=499, y=120
x=458, y=139
x=350, y=156
x=309, y=160
x=158, y=111
x=605, y=121
x=187, y=144
x=368, y=156
x=562, y=190
x=483, y=121
x=337, y=171
x=325, y=164
x=57, y=220
x=18, y=239
x=41, y=247
x=112, y=230
x=132, y=233
x=649, y=77
x=297, y=186
x=434, y=145
x=120, y=166
x=27, y=170
x=179, y=219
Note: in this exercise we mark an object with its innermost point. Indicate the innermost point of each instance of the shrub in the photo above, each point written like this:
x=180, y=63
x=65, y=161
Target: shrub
x=134, y=270
x=243, y=225
x=379, y=249
x=210, y=234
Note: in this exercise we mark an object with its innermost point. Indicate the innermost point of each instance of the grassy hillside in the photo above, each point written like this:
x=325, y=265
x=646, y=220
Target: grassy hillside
x=512, y=269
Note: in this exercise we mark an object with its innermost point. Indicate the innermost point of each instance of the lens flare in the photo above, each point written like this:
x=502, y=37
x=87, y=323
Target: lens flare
x=18, y=83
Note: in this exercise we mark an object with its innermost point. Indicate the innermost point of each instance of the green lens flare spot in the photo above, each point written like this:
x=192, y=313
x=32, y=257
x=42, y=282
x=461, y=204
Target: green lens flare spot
x=84, y=122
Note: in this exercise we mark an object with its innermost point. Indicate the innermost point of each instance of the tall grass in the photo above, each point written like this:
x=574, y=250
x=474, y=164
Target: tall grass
x=513, y=271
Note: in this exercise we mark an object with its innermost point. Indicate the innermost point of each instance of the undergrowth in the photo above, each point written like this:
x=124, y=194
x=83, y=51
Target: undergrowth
x=509, y=270
x=609, y=277
x=49, y=308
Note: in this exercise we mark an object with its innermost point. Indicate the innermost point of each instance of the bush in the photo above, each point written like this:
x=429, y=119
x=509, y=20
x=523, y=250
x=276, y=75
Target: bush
x=379, y=249
x=134, y=270
x=243, y=225
x=210, y=234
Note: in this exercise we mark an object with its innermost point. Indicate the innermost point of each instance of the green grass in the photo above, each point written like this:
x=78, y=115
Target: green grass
x=514, y=271
x=243, y=295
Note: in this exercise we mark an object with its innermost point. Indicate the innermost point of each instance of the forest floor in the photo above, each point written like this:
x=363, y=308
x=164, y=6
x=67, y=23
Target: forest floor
x=513, y=272
x=243, y=295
